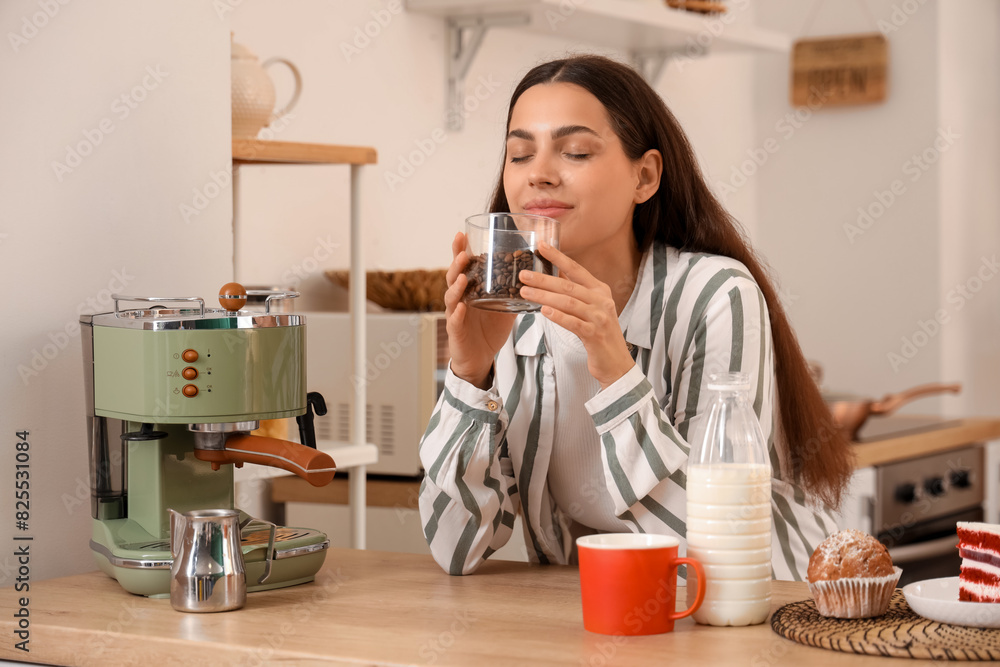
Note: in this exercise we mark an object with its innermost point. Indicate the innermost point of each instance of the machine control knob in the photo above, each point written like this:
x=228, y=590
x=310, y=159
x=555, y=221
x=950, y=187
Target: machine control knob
x=232, y=296
x=960, y=479
x=934, y=486
x=189, y=390
x=189, y=373
x=189, y=355
x=906, y=493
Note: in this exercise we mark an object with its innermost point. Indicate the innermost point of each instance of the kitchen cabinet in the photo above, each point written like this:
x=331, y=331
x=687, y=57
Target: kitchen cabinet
x=647, y=30
x=358, y=453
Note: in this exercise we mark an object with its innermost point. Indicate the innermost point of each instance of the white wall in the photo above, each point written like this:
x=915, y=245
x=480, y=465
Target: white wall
x=111, y=223
x=391, y=94
x=856, y=299
x=61, y=242
x=969, y=38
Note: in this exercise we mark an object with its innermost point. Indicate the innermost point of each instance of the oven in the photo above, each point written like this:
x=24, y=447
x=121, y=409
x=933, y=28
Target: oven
x=917, y=503
x=912, y=505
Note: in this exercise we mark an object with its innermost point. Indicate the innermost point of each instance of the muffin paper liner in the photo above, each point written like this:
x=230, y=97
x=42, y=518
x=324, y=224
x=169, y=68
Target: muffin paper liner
x=860, y=597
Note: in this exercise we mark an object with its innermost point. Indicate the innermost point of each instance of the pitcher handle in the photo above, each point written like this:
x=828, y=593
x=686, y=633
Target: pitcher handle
x=699, y=596
x=298, y=84
x=178, y=523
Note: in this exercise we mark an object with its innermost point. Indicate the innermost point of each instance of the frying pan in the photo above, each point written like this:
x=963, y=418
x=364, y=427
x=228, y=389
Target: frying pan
x=850, y=413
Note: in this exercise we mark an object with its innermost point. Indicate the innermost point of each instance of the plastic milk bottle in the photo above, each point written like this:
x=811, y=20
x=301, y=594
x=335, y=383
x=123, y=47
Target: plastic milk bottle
x=729, y=507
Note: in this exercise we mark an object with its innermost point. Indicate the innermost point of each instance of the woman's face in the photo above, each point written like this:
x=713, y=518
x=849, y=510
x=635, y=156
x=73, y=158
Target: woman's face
x=564, y=161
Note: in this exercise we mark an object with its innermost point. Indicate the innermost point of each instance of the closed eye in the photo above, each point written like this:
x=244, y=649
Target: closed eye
x=519, y=158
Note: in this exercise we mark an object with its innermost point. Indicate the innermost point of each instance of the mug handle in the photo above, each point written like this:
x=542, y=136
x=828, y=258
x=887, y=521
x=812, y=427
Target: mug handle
x=298, y=83
x=700, y=595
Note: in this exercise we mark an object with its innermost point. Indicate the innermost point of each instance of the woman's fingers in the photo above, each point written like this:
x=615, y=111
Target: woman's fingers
x=459, y=258
x=560, y=297
x=568, y=268
x=453, y=295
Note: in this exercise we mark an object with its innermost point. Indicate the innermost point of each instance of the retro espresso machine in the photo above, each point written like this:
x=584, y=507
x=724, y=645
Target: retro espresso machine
x=173, y=391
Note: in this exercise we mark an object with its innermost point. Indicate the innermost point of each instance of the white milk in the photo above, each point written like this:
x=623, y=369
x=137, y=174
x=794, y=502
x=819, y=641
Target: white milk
x=729, y=532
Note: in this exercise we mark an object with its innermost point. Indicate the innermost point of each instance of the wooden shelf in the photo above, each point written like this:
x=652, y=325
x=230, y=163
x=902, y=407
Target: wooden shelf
x=963, y=432
x=260, y=151
x=625, y=25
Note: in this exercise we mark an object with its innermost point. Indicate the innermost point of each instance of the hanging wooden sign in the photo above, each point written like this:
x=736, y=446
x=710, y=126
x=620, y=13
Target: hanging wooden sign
x=832, y=71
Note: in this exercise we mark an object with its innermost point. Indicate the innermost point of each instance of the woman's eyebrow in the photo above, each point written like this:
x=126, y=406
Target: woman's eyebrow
x=558, y=133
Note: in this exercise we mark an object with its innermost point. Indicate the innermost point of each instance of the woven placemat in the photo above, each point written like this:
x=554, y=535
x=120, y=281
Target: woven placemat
x=900, y=633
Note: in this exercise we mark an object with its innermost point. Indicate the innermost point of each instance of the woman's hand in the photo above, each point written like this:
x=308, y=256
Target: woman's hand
x=474, y=335
x=582, y=304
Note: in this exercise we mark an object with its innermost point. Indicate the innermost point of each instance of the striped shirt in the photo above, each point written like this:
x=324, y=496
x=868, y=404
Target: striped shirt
x=486, y=452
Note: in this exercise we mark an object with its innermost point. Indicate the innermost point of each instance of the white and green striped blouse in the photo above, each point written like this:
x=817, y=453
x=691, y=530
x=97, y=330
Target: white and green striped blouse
x=486, y=452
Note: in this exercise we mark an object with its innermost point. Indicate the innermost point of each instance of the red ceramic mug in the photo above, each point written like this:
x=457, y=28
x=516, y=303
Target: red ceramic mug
x=628, y=583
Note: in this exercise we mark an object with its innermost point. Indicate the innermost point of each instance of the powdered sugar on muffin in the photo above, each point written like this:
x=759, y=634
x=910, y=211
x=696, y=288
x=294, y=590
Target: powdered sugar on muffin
x=848, y=554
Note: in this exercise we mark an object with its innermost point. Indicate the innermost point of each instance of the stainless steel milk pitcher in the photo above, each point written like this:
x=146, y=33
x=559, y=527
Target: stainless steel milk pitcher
x=207, y=573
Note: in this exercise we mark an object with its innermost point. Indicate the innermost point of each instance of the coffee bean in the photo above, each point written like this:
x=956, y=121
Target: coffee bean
x=503, y=281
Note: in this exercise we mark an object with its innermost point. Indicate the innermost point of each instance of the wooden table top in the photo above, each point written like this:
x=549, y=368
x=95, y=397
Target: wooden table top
x=378, y=608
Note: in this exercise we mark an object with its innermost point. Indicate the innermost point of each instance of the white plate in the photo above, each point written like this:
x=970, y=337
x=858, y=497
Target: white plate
x=937, y=600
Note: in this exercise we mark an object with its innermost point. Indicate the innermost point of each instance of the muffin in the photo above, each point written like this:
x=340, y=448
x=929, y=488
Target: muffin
x=852, y=576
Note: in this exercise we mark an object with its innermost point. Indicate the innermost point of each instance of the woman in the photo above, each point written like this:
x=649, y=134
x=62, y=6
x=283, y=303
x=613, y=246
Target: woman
x=578, y=416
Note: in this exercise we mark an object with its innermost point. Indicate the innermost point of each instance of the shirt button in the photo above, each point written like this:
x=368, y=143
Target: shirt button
x=492, y=406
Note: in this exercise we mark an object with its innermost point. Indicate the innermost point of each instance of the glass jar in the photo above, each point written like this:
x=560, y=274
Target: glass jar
x=500, y=246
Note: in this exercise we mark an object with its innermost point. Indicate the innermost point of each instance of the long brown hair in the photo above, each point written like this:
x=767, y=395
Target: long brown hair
x=684, y=214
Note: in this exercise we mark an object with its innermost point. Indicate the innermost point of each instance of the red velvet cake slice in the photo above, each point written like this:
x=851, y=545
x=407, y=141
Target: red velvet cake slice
x=979, y=547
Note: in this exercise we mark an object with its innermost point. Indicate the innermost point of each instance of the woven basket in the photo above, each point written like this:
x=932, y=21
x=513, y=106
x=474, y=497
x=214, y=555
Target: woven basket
x=699, y=6
x=419, y=290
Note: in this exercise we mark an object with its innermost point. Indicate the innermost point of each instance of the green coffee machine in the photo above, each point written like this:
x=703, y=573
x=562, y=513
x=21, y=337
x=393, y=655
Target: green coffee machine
x=174, y=390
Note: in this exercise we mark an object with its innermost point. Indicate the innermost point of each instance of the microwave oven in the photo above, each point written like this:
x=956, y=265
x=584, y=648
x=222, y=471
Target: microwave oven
x=407, y=357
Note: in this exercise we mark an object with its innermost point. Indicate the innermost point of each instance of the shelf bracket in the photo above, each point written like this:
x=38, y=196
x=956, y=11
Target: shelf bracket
x=650, y=64
x=465, y=36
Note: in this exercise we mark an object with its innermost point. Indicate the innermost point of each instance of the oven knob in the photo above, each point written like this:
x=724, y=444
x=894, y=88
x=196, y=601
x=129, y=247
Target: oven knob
x=906, y=493
x=960, y=479
x=935, y=486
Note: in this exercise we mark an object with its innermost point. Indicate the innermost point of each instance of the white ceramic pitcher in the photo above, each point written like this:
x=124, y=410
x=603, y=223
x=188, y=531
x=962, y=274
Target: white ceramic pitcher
x=253, y=97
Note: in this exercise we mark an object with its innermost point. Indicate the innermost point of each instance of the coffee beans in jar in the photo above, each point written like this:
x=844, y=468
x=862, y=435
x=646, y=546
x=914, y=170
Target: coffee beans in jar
x=498, y=286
